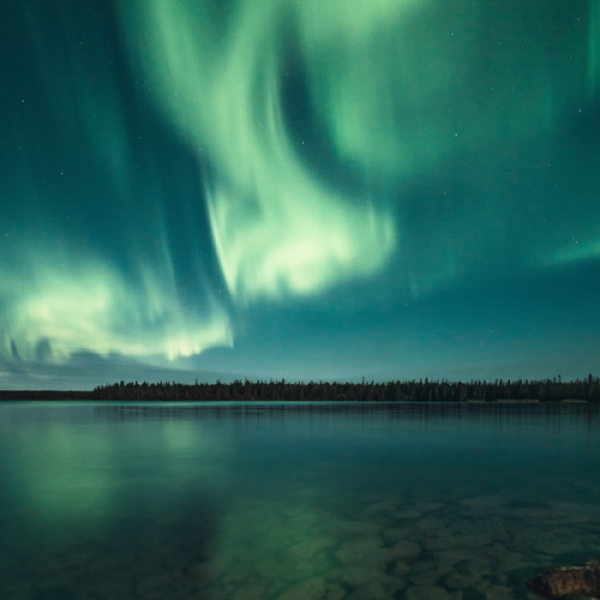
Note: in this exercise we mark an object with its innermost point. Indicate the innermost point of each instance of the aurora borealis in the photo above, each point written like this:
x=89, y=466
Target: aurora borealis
x=299, y=189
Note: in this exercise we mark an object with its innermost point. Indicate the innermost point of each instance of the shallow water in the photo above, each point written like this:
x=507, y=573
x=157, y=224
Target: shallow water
x=249, y=501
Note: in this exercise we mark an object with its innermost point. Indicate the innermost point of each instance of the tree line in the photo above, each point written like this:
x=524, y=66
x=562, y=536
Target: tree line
x=542, y=390
x=546, y=390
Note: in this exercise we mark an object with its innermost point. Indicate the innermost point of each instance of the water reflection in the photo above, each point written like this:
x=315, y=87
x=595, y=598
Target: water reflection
x=281, y=501
x=485, y=413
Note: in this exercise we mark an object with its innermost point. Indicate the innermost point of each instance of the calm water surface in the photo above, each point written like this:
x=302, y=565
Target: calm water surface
x=292, y=502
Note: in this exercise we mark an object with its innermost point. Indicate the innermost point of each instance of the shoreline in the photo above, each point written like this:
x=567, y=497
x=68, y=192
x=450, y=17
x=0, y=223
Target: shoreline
x=497, y=391
x=6, y=396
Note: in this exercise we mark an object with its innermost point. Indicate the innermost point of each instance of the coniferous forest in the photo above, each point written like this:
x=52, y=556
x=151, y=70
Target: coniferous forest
x=547, y=390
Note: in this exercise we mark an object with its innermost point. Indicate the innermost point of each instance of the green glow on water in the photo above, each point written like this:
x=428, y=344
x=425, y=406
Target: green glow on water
x=229, y=501
x=79, y=471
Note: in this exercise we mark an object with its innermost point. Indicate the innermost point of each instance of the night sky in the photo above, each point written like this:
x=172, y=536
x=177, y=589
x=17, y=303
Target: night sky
x=298, y=189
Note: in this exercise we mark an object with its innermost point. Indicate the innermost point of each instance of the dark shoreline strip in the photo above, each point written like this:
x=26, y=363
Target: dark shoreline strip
x=528, y=391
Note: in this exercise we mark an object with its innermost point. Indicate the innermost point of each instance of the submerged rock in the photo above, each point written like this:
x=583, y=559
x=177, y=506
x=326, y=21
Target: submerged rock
x=313, y=589
x=361, y=551
x=249, y=591
x=426, y=592
x=562, y=580
x=369, y=591
x=407, y=514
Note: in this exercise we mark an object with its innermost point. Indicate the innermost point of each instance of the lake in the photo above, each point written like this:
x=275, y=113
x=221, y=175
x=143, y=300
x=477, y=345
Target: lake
x=296, y=501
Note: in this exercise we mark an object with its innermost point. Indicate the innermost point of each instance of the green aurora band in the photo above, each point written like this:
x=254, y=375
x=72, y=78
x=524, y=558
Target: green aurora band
x=399, y=90
x=276, y=227
x=399, y=87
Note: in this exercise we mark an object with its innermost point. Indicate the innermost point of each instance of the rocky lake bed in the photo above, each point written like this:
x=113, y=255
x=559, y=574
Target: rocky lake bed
x=479, y=548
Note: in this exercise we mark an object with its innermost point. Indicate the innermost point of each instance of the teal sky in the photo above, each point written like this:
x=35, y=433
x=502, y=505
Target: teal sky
x=298, y=189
